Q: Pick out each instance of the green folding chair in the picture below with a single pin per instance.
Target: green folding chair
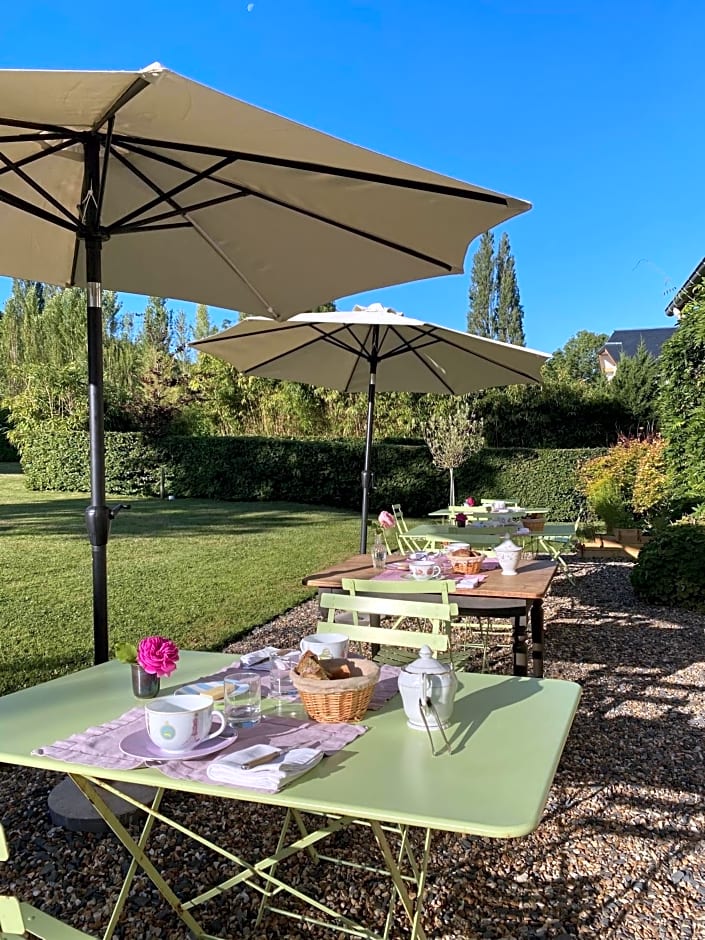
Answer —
(466, 634)
(390, 641)
(19, 920)
(558, 537)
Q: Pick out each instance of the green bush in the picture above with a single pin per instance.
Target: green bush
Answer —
(316, 472)
(670, 569)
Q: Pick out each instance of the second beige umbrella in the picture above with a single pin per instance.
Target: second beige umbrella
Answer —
(372, 349)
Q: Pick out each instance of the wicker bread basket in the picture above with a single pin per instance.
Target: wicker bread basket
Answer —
(533, 523)
(339, 699)
(466, 564)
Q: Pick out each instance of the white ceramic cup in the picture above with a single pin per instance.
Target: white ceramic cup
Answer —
(423, 570)
(326, 645)
(180, 722)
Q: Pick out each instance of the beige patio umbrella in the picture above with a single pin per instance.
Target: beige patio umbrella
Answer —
(372, 349)
(151, 183)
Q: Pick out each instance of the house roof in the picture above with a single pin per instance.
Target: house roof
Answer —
(685, 293)
(626, 342)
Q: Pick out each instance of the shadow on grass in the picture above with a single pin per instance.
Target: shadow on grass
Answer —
(155, 517)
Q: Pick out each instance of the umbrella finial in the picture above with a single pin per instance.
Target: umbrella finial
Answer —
(376, 308)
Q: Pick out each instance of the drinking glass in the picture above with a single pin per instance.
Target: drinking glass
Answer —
(280, 684)
(242, 699)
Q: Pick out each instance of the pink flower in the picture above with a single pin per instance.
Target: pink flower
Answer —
(157, 655)
(386, 520)
(469, 501)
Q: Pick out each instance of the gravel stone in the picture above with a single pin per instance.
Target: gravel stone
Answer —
(618, 855)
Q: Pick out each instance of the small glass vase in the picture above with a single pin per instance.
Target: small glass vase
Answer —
(379, 552)
(144, 684)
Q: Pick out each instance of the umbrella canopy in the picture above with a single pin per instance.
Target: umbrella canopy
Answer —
(372, 349)
(151, 183)
(209, 199)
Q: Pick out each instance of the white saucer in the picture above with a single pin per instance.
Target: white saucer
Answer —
(139, 744)
(430, 577)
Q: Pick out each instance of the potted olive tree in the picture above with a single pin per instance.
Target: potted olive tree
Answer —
(452, 434)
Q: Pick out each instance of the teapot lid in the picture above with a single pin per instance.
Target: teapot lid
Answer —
(426, 663)
(508, 545)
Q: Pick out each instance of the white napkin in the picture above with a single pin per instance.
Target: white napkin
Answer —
(258, 656)
(522, 530)
(471, 580)
(272, 776)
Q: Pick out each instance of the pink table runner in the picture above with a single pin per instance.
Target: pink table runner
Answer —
(394, 573)
(100, 746)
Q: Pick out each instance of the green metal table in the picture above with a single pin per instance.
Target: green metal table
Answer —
(506, 739)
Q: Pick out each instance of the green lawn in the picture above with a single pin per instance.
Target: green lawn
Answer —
(198, 571)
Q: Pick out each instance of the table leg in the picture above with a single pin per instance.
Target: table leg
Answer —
(537, 634)
(519, 646)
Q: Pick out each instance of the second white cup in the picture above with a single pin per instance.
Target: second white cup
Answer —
(326, 645)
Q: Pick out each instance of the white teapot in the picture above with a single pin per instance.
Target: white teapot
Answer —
(508, 555)
(427, 689)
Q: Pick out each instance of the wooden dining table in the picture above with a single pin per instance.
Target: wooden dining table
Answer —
(519, 597)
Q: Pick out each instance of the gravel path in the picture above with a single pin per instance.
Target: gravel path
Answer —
(618, 855)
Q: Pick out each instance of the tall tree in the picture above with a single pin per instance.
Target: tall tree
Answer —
(202, 326)
(156, 330)
(510, 314)
(635, 385)
(482, 319)
(577, 361)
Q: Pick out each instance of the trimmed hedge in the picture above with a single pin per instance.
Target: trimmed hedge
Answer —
(315, 472)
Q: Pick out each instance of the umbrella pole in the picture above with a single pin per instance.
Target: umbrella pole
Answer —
(367, 476)
(97, 514)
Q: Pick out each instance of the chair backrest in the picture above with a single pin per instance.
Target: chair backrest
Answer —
(399, 517)
(409, 590)
(439, 614)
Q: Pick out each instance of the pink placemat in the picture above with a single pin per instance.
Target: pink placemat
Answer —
(99, 746)
(393, 573)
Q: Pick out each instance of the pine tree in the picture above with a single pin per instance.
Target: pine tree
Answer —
(510, 314)
(482, 319)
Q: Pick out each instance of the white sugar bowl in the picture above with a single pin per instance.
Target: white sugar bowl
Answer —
(427, 689)
(508, 555)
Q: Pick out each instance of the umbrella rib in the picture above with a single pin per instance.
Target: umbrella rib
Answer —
(145, 225)
(133, 89)
(195, 226)
(311, 167)
(32, 158)
(30, 138)
(402, 249)
(26, 178)
(197, 177)
(429, 333)
(31, 209)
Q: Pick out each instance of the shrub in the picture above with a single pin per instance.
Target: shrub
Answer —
(670, 569)
(632, 480)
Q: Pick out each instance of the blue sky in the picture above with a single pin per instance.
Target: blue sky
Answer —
(592, 111)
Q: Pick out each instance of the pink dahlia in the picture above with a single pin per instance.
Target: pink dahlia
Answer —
(386, 520)
(157, 655)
